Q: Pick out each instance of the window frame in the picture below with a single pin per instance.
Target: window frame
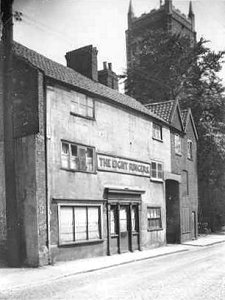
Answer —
(156, 218)
(156, 126)
(157, 171)
(73, 206)
(179, 152)
(75, 95)
(71, 157)
(190, 149)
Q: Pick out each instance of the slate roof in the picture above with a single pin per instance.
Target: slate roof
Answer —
(162, 109)
(67, 75)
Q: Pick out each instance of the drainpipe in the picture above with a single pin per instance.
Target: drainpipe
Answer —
(13, 232)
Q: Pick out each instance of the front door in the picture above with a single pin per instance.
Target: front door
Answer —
(124, 228)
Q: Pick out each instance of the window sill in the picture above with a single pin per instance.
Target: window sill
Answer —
(69, 244)
(190, 159)
(77, 171)
(178, 154)
(156, 229)
(158, 140)
(159, 180)
(80, 116)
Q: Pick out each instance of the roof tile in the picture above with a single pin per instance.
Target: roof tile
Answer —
(162, 109)
(67, 75)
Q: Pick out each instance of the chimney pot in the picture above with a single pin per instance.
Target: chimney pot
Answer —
(110, 66)
(105, 65)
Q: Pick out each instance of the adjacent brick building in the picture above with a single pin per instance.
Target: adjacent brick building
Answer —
(182, 191)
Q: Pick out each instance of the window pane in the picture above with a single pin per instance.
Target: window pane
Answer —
(134, 219)
(153, 169)
(65, 155)
(82, 110)
(66, 224)
(157, 131)
(154, 218)
(74, 159)
(90, 102)
(93, 223)
(177, 144)
(73, 150)
(75, 103)
(157, 212)
(123, 219)
(190, 149)
(65, 148)
(82, 105)
(89, 161)
(82, 159)
(90, 112)
(74, 107)
(80, 223)
(82, 99)
(114, 220)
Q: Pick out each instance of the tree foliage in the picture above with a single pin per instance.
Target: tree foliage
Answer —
(166, 67)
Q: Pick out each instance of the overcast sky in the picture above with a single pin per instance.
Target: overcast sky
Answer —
(53, 27)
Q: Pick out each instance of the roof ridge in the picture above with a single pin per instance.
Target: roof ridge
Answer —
(158, 103)
(72, 78)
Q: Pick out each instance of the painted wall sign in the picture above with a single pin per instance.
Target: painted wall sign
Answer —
(122, 165)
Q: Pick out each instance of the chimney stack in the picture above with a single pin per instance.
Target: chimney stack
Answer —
(84, 61)
(108, 77)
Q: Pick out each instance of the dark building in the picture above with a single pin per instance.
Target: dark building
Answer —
(182, 190)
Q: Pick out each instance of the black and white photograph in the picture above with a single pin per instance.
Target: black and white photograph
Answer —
(112, 149)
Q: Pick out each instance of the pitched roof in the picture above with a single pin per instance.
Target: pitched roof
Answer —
(67, 75)
(162, 109)
(186, 115)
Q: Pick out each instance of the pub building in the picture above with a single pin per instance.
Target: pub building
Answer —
(97, 172)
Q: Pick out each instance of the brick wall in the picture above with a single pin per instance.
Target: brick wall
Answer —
(189, 200)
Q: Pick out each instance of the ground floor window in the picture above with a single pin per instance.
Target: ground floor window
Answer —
(156, 170)
(79, 223)
(154, 218)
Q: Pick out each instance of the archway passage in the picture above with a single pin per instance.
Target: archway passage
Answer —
(172, 212)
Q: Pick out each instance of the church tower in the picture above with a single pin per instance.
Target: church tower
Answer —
(166, 17)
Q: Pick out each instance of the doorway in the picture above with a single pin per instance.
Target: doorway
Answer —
(172, 212)
(123, 235)
(124, 226)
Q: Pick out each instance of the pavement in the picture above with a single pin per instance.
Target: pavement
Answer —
(20, 278)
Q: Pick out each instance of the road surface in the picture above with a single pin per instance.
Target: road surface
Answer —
(192, 275)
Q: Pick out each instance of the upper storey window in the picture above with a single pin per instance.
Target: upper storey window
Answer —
(177, 140)
(77, 157)
(157, 132)
(82, 105)
(190, 149)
